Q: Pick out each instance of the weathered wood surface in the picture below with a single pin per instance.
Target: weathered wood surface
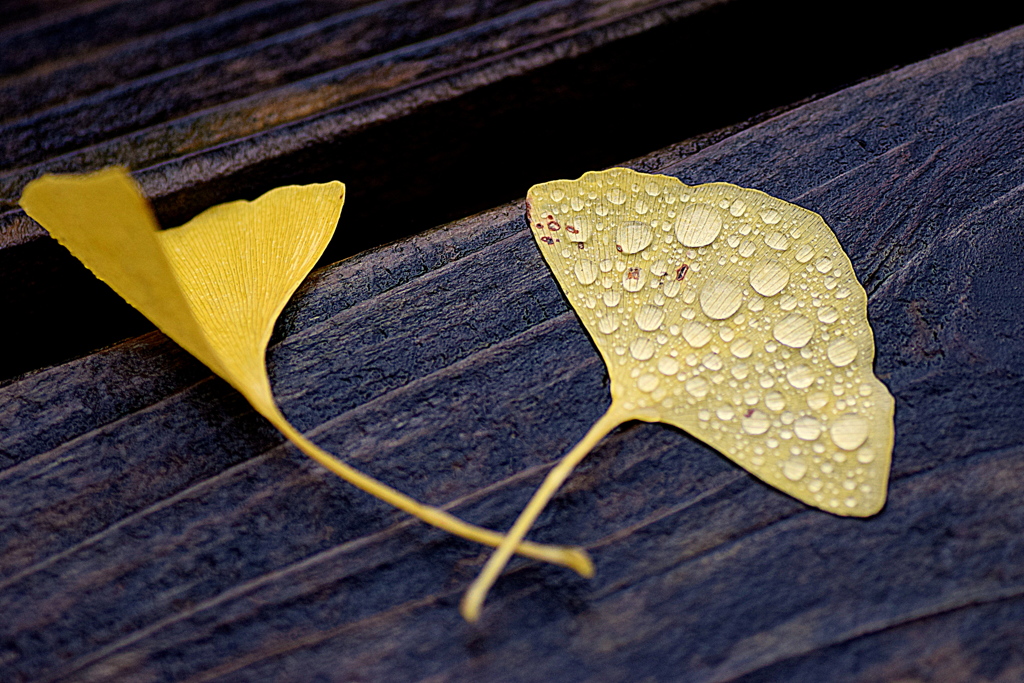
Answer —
(152, 528)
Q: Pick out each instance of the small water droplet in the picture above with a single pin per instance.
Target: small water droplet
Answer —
(649, 318)
(794, 330)
(641, 207)
(842, 293)
(634, 279)
(769, 277)
(747, 248)
(668, 365)
(671, 289)
(633, 237)
(775, 401)
(720, 298)
(712, 361)
(849, 431)
(697, 386)
(824, 264)
(805, 253)
(652, 188)
(864, 390)
(771, 216)
(866, 455)
(755, 423)
(814, 485)
(841, 352)
(609, 323)
(733, 241)
(817, 400)
(586, 271)
(726, 333)
(777, 241)
(696, 334)
(741, 348)
(703, 415)
(800, 377)
(615, 196)
(601, 209)
(788, 302)
(725, 413)
(740, 371)
(807, 428)
(576, 203)
(659, 268)
(794, 470)
(828, 315)
(737, 208)
(641, 348)
(766, 381)
(647, 382)
(698, 225)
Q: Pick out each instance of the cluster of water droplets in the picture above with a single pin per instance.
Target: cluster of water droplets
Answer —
(733, 314)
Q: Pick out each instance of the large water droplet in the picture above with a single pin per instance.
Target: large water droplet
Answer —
(698, 225)
(634, 279)
(865, 455)
(849, 431)
(725, 413)
(755, 422)
(747, 248)
(641, 348)
(794, 470)
(828, 315)
(712, 361)
(800, 377)
(841, 351)
(586, 271)
(576, 203)
(696, 334)
(823, 264)
(647, 382)
(737, 208)
(777, 241)
(609, 323)
(616, 196)
(659, 268)
(649, 318)
(775, 401)
(668, 365)
(740, 371)
(807, 428)
(671, 289)
(817, 400)
(612, 298)
(633, 237)
(741, 348)
(720, 298)
(771, 216)
(769, 277)
(697, 386)
(805, 253)
(794, 331)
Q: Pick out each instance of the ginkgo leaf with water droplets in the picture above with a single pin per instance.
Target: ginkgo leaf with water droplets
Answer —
(217, 284)
(726, 312)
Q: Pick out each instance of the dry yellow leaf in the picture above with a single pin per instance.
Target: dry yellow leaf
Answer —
(729, 313)
(217, 284)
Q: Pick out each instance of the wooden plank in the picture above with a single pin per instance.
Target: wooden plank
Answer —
(151, 528)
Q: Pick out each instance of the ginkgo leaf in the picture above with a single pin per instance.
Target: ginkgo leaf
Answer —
(217, 284)
(726, 312)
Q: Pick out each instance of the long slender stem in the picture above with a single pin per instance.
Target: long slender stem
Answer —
(474, 598)
(576, 559)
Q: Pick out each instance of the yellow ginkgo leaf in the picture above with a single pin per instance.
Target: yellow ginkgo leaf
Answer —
(729, 313)
(217, 284)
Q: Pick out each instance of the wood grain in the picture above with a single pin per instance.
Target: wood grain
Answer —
(152, 529)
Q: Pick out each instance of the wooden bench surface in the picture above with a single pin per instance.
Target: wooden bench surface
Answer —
(153, 528)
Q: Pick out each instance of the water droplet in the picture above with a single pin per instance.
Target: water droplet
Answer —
(807, 428)
(775, 401)
(794, 470)
(659, 268)
(652, 188)
(612, 298)
(841, 351)
(647, 382)
(814, 485)
(800, 377)
(769, 277)
(616, 196)
(601, 209)
(697, 386)
(771, 216)
(609, 323)
(737, 208)
(777, 241)
(725, 413)
(794, 330)
(864, 390)
(576, 203)
(668, 365)
(671, 289)
(586, 271)
(817, 400)
(766, 381)
(720, 298)
(641, 207)
(641, 348)
(788, 302)
(649, 318)
(865, 455)
(849, 431)
(842, 293)
(828, 315)
(755, 423)
(633, 237)
(741, 348)
(703, 415)
(712, 361)
(726, 333)
(696, 334)
(747, 248)
(824, 264)
(634, 279)
(698, 225)
(805, 253)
